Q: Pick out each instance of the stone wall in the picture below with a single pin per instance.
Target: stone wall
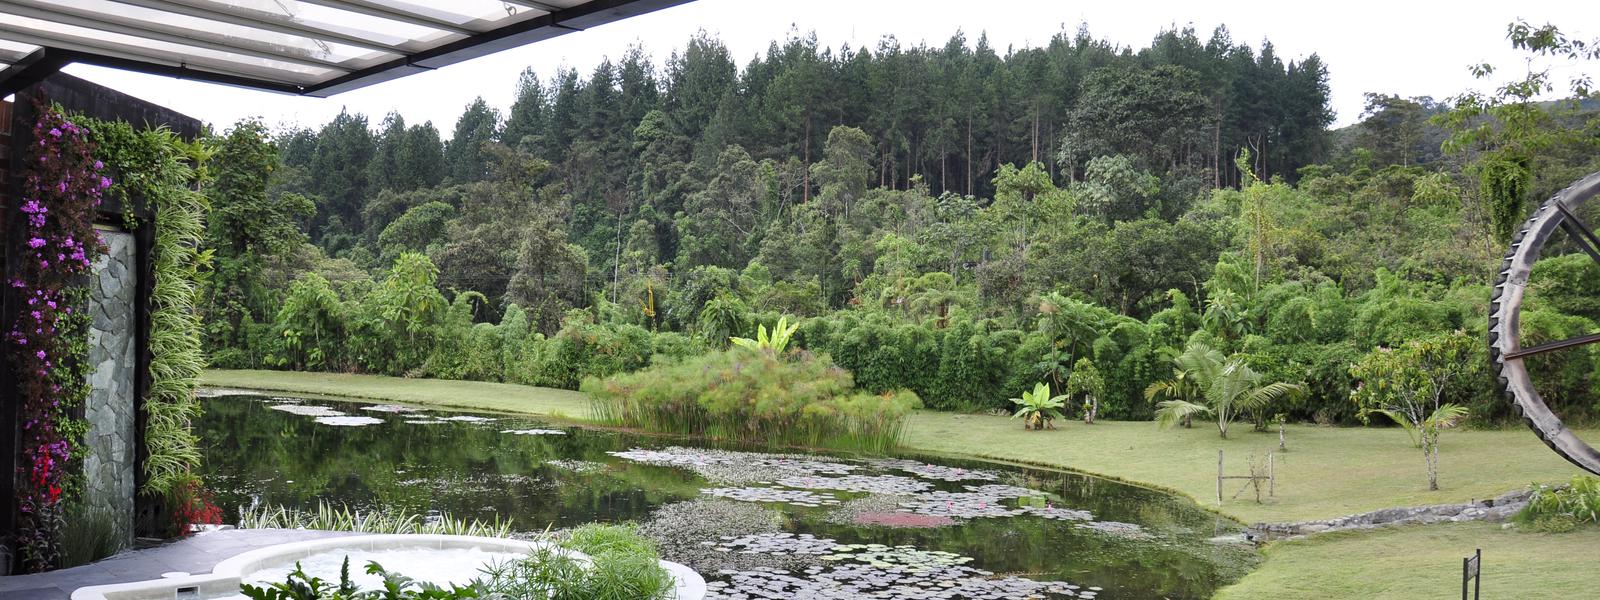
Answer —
(111, 458)
(1494, 510)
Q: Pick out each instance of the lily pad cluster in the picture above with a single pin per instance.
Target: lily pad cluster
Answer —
(306, 410)
(805, 498)
(870, 484)
(534, 432)
(733, 467)
(1117, 529)
(780, 543)
(859, 580)
(348, 421)
(577, 466)
(989, 501)
(934, 472)
(391, 408)
(909, 557)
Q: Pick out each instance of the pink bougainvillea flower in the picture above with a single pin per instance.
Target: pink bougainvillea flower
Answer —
(35, 242)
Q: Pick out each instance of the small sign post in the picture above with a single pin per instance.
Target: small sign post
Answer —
(1471, 570)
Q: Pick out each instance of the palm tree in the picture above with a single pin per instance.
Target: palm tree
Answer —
(1227, 387)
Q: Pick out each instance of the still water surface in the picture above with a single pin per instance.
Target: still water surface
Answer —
(757, 525)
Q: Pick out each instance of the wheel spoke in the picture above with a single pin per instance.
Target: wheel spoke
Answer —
(1580, 233)
(1557, 345)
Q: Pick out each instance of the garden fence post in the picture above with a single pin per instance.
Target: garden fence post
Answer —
(1219, 478)
(1272, 475)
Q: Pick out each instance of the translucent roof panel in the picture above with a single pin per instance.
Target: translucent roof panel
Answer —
(308, 47)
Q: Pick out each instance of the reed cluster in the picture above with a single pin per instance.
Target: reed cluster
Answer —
(756, 397)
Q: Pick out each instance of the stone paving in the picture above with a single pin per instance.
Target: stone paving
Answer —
(194, 555)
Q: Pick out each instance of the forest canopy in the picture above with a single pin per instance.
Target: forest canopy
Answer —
(958, 221)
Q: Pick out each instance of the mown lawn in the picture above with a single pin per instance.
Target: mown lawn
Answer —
(465, 395)
(1328, 472)
(1408, 563)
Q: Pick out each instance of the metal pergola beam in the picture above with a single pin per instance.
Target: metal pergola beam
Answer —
(384, 12)
(281, 26)
(549, 8)
(61, 49)
(91, 46)
(46, 61)
(30, 69)
(583, 16)
(89, 19)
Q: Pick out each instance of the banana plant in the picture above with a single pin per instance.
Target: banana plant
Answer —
(775, 343)
(1038, 409)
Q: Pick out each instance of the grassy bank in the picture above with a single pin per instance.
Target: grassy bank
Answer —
(1328, 472)
(465, 395)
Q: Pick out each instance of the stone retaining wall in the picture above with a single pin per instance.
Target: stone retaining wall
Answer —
(109, 464)
(1495, 510)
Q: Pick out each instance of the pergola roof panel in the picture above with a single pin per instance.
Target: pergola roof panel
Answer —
(310, 47)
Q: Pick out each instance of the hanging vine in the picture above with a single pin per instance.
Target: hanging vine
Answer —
(155, 173)
(62, 187)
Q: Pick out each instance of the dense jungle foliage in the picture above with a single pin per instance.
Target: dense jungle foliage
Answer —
(954, 221)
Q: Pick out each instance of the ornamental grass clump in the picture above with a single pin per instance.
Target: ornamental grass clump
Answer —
(755, 396)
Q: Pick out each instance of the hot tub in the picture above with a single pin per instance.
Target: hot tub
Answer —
(440, 559)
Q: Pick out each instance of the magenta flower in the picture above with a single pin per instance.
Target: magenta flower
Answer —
(35, 242)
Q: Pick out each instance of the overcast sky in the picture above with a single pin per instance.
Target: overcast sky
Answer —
(1400, 47)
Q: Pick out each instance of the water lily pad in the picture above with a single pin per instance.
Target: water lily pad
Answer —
(343, 421)
(306, 410)
(534, 432)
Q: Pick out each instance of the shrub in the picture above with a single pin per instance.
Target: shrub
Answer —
(1556, 510)
(755, 397)
(624, 566)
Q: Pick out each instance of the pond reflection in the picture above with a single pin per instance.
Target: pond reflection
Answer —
(756, 524)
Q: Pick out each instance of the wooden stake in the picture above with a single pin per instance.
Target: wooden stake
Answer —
(1272, 475)
(1219, 478)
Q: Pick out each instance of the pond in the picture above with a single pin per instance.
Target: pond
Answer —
(756, 524)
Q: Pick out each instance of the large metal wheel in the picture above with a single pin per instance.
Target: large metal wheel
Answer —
(1505, 309)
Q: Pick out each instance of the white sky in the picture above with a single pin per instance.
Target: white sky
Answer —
(1408, 48)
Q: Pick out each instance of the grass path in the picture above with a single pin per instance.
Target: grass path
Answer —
(1328, 472)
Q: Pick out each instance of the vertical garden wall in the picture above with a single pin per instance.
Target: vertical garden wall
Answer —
(101, 217)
